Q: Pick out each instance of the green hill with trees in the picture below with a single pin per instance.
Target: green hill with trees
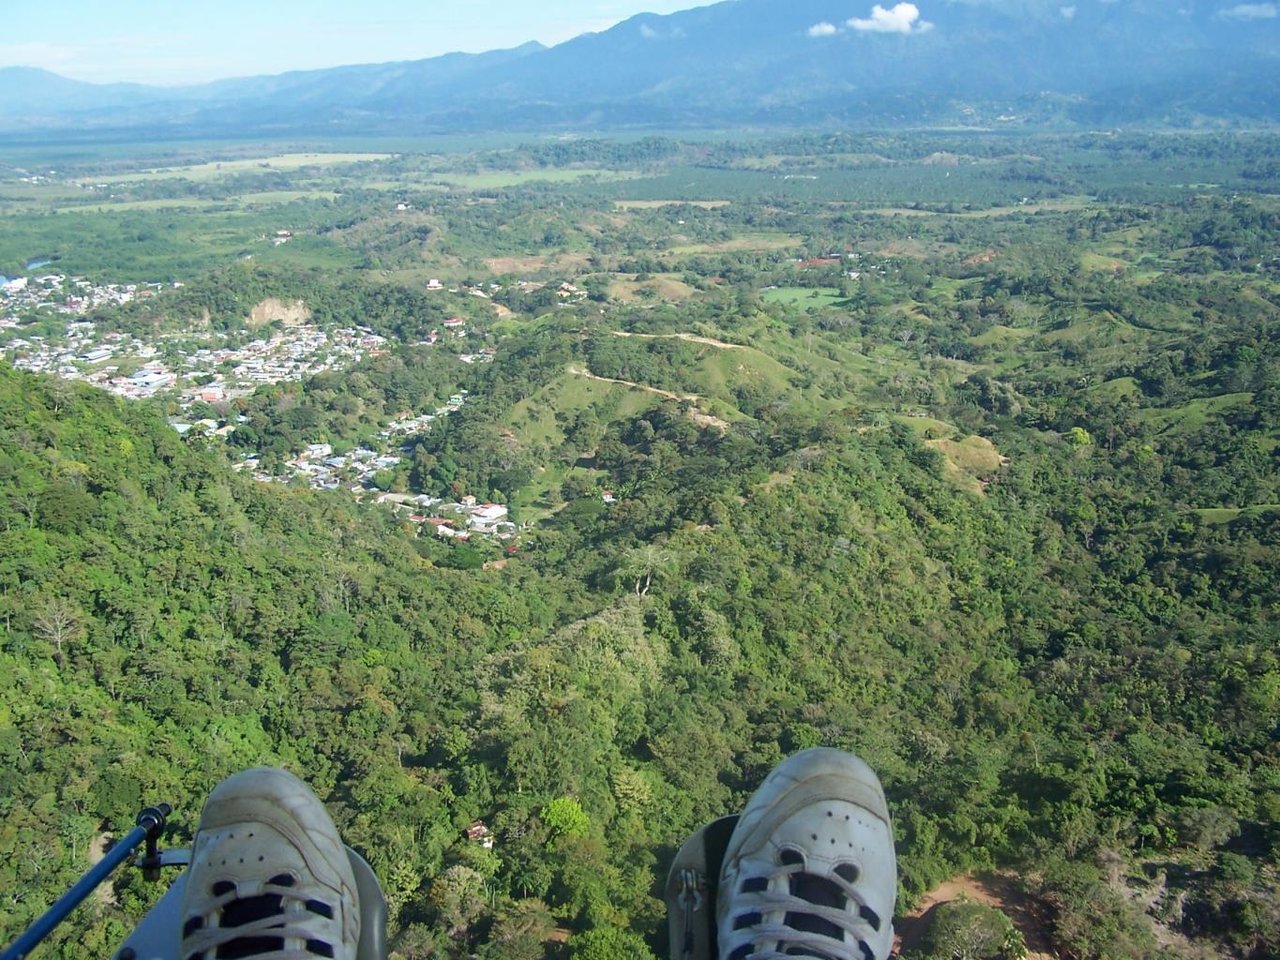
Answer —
(984, 492)
(1023, 696)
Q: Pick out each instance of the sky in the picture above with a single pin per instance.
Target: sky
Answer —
(193, 41)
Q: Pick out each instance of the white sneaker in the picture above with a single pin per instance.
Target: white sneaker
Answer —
(810, 869)
(269, 876)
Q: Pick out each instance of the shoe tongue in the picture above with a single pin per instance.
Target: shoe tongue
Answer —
(822, 892)
(246, 910)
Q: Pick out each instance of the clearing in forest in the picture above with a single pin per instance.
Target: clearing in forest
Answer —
(659, 288)
(498, 179)
(997, 890)
(970, 462)
(802, 297)
(525, 266)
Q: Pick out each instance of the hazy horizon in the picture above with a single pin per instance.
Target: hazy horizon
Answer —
(160, 43)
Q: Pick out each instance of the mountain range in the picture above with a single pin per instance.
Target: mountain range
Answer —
(761, 63)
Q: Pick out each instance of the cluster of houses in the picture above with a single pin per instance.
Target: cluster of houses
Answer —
(58, 293)
(565, 291)
(324, 470)
(837, 259)
(82, 353)
(460, 520)
(294, 353)
(129, 367)
(126, 366)
(355, 470)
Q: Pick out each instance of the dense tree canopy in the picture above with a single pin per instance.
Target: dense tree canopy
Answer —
(987, 495)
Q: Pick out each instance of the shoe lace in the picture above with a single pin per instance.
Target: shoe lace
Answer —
(282, 922)
(816, 919)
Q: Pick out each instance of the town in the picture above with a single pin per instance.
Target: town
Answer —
(126, 366)
(216, 373)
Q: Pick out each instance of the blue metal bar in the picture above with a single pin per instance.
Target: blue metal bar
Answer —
(150, 823)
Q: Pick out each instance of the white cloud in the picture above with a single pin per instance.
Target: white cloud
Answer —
(903, 18)
(823, 29)
(1250, 11)
(652, 33)
(1067, 12)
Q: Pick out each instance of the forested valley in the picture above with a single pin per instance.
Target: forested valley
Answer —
(959, 453)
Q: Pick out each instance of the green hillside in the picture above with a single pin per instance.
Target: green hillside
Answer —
(973, 650)
(982, 489)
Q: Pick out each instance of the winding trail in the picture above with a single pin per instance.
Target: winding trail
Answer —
(580, 372)
(703, 420)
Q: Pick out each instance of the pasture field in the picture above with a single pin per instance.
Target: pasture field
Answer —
(216, 169)
(803, 297)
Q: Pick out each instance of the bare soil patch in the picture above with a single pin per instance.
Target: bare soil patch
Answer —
(270, 310)
(994, 890)
(691, 337)
(526, 265)
(98, 846)
(707, 422)
(941, 159)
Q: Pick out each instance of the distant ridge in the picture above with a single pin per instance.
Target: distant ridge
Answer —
(1002, 63)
